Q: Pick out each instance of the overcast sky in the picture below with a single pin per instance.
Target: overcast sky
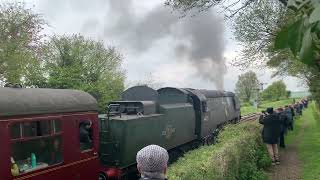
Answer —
(188, 52)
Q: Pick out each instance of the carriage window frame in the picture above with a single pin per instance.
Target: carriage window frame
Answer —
(55, 132)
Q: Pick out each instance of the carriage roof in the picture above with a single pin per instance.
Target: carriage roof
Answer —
(31, 101)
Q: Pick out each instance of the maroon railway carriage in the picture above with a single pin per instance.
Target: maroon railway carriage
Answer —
(45, 123)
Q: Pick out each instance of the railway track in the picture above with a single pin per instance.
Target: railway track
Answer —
(250, 117)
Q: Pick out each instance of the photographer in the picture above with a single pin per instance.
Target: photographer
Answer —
(284, 119)
(271, 133)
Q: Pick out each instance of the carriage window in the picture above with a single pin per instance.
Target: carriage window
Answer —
(85, 135)
(29, 129)
(16, 131)
(35, 145)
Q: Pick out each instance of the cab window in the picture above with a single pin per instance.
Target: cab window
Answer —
(35, 145)
(85, 135)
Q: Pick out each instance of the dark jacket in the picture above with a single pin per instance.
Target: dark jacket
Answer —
(289, 115)
(292, 111)
(271, 128)
(284, 121)
(84, 135)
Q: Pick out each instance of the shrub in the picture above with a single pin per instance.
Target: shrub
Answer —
(239, 154)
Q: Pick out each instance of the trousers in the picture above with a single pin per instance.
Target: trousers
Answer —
(273, 151)
(282, 144)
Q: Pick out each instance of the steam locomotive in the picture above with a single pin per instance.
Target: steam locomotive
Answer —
(46, 121)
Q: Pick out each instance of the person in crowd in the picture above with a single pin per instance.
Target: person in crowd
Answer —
(288, 113)
(305, 103)
(300, 108)
(85, 134)
(292, 110)
(152, 162)
(283, 125)
(271, 133)
(297, 108)
(56, 154)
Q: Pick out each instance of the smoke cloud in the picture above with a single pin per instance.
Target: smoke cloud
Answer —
(198, 39)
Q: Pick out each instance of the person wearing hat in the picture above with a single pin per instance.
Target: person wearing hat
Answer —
(85, 135)
(271, 133)
(152, 162)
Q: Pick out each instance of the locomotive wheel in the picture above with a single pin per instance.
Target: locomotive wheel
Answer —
(102, 176)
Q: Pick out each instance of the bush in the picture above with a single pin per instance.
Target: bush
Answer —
(239, 154)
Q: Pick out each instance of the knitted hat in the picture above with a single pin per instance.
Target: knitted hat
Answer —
(152, 158)
(270, 110)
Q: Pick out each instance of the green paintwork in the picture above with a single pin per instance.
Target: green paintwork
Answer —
(170, 128)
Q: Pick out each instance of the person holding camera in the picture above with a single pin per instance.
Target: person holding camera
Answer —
(271, 133)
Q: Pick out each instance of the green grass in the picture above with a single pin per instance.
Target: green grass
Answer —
(309, 144)
(264, 105)
(239, 154)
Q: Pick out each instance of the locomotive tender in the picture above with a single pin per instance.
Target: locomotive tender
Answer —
(176, 119)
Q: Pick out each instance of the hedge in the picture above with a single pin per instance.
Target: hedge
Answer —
(239, 155)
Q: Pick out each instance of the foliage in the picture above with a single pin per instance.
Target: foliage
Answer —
(275, 91)
(302, 36)
(230, 7)
(149, 81)
(255, 29)
(288, 94)
(239, 154)
(20, 41)
(247, 86)
(63, 62)
(78, 63)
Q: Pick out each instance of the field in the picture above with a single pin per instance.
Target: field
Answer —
(250, 109)
(308, 134)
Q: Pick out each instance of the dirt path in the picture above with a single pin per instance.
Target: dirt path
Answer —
(289, 168)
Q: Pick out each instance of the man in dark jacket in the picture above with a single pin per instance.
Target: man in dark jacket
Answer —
(289, 113)
(293, 115)
(297, 108)
(300, 108)
(152, 162)
(271, 133)
(85, 135)
(283, 126)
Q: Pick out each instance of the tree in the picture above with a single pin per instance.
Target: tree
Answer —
(230, 7)
(255, 29)
(20, 41)
(74, 62)
(247, 86)
(275, 91)
(288, 95)
(149, 81)
(302, 36)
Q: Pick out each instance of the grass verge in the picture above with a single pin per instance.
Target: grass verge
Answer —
(309, 142)
(239, 154)
(250, 109)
